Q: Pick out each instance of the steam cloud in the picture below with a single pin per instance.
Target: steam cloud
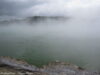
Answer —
(80, 8)
(84, 25)
(84, 13)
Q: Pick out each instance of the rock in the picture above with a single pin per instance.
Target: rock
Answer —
(17, 64)
(62, 68)
(19, 67)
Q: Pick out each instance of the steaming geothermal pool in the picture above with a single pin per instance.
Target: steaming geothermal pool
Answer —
(73, 41)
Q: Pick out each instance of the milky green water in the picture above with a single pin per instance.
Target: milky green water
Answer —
(44, 42)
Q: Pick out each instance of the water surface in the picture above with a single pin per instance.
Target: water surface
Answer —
(40, 42)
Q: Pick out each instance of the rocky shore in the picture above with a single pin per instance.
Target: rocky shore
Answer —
(11, 66)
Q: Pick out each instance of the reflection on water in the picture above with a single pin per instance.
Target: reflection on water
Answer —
(38, 43)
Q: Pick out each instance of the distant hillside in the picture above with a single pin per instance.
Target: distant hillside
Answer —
(35, 19)
(47, 17)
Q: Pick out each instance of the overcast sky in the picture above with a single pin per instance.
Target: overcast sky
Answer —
(49, 7)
